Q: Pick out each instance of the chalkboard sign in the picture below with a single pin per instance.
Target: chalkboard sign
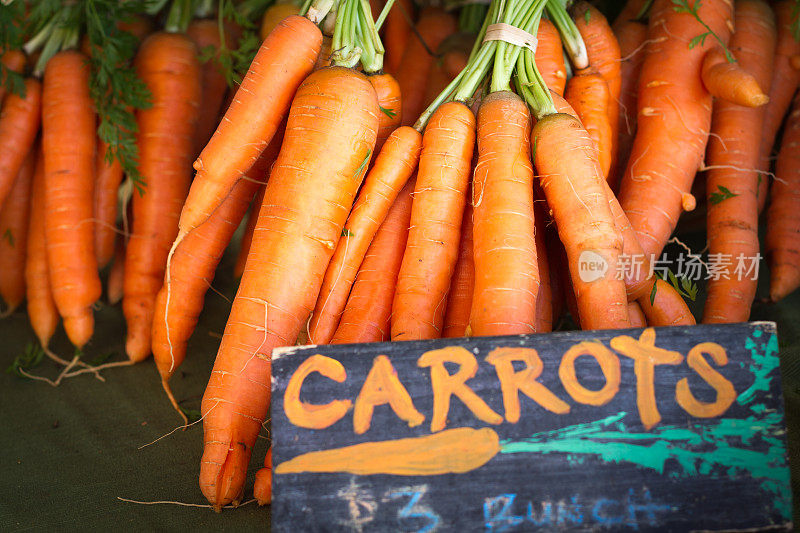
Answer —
(644, 429)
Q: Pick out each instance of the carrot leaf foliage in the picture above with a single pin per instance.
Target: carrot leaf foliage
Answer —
(11, 38)
(720, 195)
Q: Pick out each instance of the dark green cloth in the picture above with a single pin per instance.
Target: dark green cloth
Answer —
(70, 452)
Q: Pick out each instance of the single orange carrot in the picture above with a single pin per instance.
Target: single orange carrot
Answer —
(69, 144)
(390, 102)
(588, 94)
(19, 124)
(550, 57)
(167, 63)
(330, 134)
(673, 120)
(262, 487)
(506, 266)
(462, 285)
(782, 243)
(398, 32)
(432, 249)
(636, 315)
(732, 181)
(116, 274)
(391, 170)
(109, 177)
(412, 74)
(42, 312)
(285, 58)
(667, 307)
(274, 15)
(728, 81)
(14, 219)
(366, 315)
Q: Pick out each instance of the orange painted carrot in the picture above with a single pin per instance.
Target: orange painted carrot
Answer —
(391, 170)
(732, 182)
(42, 312)
(14, 219)
(432, 249)
(785, 79)
(390, 102)
(782, 242)
(69, 143)
(330, 134)
(19, 124)
(506, 266)
(366, 315)
(459, 297)
(412, 74)
(589, 95)
(673, 120)
(167, 63)
(550, 57)
(285, 58)
(109, 177)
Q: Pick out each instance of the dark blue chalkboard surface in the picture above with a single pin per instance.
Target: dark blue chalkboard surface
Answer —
(665, 429)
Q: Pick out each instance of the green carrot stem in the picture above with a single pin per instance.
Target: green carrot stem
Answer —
(383, 15)
(532, 87)
(570, 36)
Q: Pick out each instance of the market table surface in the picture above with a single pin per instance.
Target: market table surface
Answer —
(70, 453)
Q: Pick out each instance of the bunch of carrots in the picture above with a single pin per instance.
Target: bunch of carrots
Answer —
(410, 172)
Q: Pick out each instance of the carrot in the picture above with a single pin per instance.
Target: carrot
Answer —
(667, 307)
(391, 170)
(14, 219)
(452, 56)
(459, 296)
(728, 81)
(636, 315)
(733, 153)
(262, 487)
(366, 315)
(260, 172)
(782, 243)
(398, 32)
(42, 312)
(180, 300)
(544, 298)
(205, 33)
(589, 95)
(785, 79)
(506, 267)
(630, 12)
(330, 134)
(412, 74)
(435, 230)
(68, 143)
(13, 60)
(550, 57)
(604, 54)
(631, 36)
(167, 63)
(565, 157)
(116, 274)
(285, 58)
(19, 124)
(673, 120)
(390, 102)
(274, 15)
(109, 176)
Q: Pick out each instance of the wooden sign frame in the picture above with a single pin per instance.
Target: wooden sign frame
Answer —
(647, 429)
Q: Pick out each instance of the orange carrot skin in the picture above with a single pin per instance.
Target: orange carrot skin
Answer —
(636, 315)
(69, 146)
(13, 60)
(331, 129)
(631, 36)
(205, 33)
(388, 91)
(180, 300)
(247, 237)
(570, 176)
(432, 249)
(366, 315)
(167, 63)
(14, 219)
(459, 297)
(109, 177)
(785, 79)
(588, 94)
(412, 74)
(116, 274)
(284, 60)
(604, 54)
(262, 487)
(782, 243)
(392, 168)
(506, 266)
(274, 15)
(728, 81)
(667, 308)
(733, 153)
(19, 124)
(398, 33)
(673, 120)
(550, 57)
(42, 311)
